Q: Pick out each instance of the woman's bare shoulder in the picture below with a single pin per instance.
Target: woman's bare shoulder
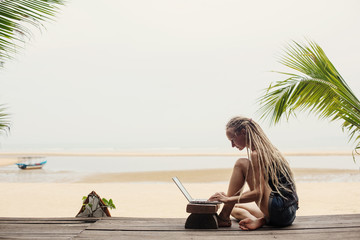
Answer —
(254, 154)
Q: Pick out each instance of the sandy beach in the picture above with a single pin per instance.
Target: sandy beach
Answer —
(7, 161)
(152, 194)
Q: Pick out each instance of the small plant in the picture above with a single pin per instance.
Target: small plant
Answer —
(109, 203)
(86, 205)
(94, 206)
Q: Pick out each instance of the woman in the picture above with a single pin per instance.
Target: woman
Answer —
(268, 176)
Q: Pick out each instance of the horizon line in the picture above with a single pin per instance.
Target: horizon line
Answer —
(157, 154)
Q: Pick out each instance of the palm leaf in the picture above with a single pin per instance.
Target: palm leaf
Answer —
(16, 19)
(4, 120)
(316, 87)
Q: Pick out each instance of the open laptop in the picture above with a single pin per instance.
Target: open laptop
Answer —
(188, 196)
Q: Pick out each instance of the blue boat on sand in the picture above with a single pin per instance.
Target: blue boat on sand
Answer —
(28, 163)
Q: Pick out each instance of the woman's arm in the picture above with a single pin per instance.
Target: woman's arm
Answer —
(250, 196)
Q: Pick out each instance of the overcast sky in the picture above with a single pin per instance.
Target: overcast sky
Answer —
(168, 74)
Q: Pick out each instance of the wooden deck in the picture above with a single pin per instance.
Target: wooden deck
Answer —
(305, 227)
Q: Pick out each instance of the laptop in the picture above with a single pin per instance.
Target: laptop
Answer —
(188, 196)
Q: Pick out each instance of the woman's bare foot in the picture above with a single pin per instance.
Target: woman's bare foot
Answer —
(251, 224)
(223, 222)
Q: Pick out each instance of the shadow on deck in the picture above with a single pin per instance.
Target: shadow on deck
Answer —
(305, 227)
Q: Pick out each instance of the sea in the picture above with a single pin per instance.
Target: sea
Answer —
(67, 168)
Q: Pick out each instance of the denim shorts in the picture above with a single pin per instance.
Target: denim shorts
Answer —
(281, 213)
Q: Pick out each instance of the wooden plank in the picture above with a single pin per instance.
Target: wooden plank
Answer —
(312, 234)
(25, 228)
(45, 222)
(309, 227)
(171, 224)
(345, 217)
(43, 227)
(153, 224)
(49, 218)
(37, 236)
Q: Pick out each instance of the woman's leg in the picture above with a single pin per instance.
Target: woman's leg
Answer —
(252, 223)
(237, 181)
(247, 210)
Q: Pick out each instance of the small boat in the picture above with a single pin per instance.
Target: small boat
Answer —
(27, 163)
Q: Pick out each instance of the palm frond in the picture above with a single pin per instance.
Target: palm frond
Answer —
(4, 120)
(316, 87)
(16, 19)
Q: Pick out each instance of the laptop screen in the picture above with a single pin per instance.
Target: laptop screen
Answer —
(182, 189)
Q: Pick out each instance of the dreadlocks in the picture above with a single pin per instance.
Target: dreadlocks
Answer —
(272, 163)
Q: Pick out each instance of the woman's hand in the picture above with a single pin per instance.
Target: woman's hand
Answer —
(219, 196)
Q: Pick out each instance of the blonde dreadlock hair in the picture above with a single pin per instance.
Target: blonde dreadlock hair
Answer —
(272, 162)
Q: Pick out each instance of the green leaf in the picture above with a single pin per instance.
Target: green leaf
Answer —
(87, 206)
(4, 120)
(314, 86)
(15, 19)
(111, 204)
(105, 201)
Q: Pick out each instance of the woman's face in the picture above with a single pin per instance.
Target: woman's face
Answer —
(237, 139)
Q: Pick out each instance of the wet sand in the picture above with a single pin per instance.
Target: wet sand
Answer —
(7, 161)
(217, 175)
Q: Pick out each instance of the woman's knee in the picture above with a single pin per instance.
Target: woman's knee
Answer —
(240, 213)
(242, 163)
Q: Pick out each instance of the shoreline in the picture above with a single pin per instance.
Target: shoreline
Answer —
(216, 175)
(212, 175)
